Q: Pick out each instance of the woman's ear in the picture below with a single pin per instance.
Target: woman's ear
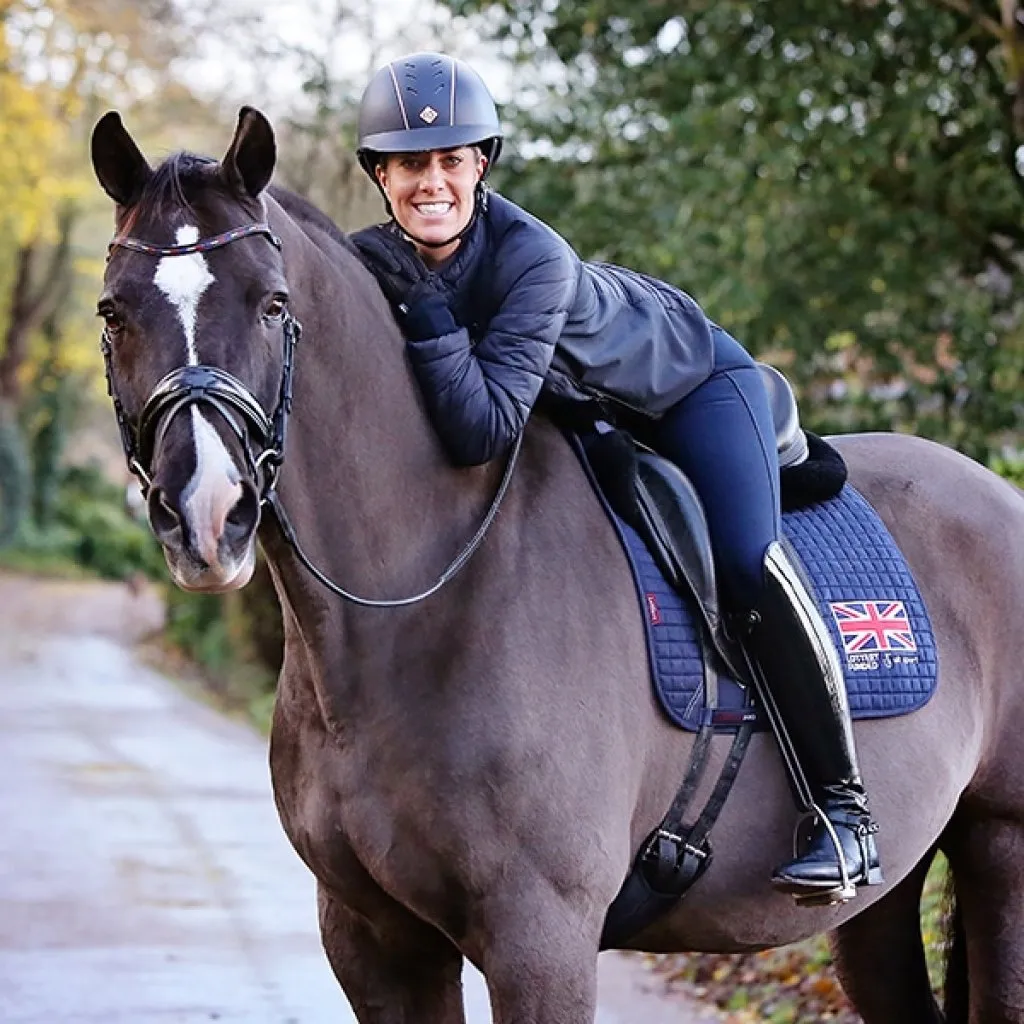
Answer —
(381, 173)
(481, 166)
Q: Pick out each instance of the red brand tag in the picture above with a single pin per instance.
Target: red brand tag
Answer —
(653, 610)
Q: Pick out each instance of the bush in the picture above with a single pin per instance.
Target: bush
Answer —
(235, 639)
(1011, 468)
(91, 534)
(106, 540)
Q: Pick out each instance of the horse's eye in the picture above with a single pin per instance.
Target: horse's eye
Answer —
(275, 307)
(111, 320)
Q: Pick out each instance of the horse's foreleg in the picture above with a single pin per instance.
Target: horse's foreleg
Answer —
(394, 968)
(541, 967)
(987, 857)
(880, 958)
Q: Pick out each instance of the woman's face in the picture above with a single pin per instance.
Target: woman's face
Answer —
(432, 193)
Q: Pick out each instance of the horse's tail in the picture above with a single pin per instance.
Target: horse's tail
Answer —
(956, 989)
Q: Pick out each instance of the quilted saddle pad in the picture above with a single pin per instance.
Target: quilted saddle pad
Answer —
(864, 590)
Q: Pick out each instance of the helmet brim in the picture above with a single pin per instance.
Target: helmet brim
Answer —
(421, 140)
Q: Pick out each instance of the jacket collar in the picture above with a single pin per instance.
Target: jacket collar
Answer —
(461, 267)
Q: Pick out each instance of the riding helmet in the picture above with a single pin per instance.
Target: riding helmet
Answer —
(426, 101)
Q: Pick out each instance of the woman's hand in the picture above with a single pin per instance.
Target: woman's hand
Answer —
(416, 293)
(395, 263)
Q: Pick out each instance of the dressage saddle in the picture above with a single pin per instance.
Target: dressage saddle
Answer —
(656, 498)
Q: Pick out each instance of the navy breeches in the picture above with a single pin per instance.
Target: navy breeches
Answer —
(723, 438)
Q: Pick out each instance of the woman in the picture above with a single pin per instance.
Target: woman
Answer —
(496, 306)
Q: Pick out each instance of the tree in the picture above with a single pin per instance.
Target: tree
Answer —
(841, 190)
(60, 63)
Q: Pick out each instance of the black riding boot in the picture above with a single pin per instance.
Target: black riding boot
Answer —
(798, 659)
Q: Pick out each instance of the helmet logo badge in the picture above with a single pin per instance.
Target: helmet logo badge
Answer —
(428, 114)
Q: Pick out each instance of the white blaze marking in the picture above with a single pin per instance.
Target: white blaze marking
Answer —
(212, 492)
(214, 488)
(183, 279)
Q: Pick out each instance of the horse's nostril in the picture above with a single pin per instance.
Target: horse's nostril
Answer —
(244, 514)
(163, 517)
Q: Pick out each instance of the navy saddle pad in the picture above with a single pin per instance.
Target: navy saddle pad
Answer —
(864, 590)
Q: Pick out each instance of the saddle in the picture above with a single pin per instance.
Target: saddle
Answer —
(657, 500)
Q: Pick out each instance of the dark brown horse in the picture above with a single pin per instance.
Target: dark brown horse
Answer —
(470, 775)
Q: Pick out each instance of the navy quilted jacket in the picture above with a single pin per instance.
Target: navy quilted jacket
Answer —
(534, 315)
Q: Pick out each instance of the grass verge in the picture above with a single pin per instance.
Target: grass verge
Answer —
(794, 984)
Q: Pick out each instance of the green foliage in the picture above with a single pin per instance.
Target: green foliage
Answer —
(1011, 468)
(197, 625)
(47, 413)
(106, 539)
(91, 531)
(836, 185)
(236, 641)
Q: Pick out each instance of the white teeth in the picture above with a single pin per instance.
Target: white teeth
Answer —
(434, 208)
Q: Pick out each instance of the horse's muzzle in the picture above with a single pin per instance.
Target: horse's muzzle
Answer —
(210, 548)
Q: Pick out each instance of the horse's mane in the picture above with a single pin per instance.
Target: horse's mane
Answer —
(310, 216)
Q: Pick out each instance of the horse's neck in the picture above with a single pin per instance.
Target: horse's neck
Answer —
(374, 502)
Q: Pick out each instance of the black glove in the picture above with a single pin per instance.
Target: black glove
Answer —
(395, 263)
(425, 313)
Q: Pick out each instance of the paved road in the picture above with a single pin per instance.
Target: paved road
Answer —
(144, 876)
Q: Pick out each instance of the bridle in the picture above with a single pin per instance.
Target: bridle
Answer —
(210, 385)
(207, 385)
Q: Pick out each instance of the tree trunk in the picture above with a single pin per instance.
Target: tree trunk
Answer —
(30, 302)
(54, 397)
(15, 483)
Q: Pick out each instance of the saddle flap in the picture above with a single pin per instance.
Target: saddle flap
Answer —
(677, 531)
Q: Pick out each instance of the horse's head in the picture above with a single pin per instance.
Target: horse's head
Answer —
(198, 342)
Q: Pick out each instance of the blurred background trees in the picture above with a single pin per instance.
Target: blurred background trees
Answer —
(842, 189)
(59, 63)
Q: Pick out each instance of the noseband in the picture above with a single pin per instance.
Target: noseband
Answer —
(207, 385)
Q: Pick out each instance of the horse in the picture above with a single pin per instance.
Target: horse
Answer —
(467, 754)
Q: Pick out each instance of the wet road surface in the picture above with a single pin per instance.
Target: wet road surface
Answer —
(143, 873)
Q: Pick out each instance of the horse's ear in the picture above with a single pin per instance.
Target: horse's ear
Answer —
(121, 168)
(249, 162)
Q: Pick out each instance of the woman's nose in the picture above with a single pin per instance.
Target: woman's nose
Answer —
(432, 178)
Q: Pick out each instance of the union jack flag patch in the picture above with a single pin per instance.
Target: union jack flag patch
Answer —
(867, 626)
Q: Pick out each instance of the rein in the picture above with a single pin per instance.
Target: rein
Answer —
(245, 415)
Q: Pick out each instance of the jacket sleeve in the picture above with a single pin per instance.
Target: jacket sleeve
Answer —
(479, 396)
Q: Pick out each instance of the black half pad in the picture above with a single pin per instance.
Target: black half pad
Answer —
(819, 478)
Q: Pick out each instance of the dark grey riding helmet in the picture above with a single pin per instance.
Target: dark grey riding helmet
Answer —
(426, 101)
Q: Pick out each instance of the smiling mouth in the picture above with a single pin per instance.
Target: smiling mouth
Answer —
(433, 209)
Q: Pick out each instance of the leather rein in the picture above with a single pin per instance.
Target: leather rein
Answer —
(242, 411)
